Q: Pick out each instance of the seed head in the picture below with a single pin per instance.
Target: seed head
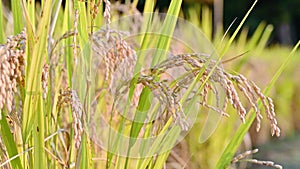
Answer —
(12, 66)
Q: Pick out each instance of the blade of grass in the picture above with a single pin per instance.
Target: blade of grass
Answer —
(99, 18)
(58, 5)
(264, 38)
(9, 143)
(232, 147)
(256, 36)
(66, 27)
(242, 40)
(31, 11)
(38, 134)
(135, 3)
(17, 16)
(282, 68)
(2, 33)
(260, 36)
(148, 9)
(168, 28)
(30, 30)
(193, 14)
(206, 23)
(225, 49)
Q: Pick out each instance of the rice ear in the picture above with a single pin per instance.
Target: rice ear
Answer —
(12, 69)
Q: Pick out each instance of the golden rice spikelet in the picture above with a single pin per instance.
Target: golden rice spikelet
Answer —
(12, 66)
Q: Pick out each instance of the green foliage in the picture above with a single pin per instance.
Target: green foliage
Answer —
(17, 15)
(2, 34)
(46, 144)
(9, 143)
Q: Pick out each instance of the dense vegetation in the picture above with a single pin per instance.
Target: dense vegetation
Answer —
(173, 94)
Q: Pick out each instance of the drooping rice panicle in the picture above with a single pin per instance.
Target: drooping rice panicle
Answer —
(12, 69)
(70, 97)
(243, 158)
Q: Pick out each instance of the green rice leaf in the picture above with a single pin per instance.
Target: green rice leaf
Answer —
(17, 16)
(9, 143)
(2, 33)
(225, 49)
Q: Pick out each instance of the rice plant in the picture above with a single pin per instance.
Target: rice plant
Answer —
(94, 86)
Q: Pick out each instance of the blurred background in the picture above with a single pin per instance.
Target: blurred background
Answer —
(268, 36)
(283, 15)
